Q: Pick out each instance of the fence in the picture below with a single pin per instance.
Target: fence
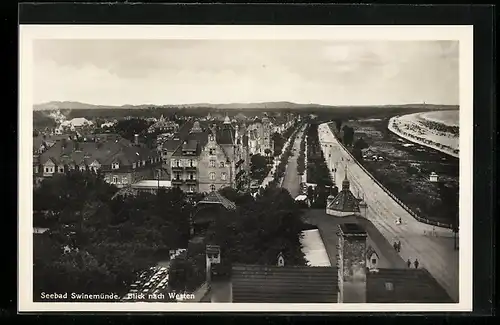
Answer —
(398, 201)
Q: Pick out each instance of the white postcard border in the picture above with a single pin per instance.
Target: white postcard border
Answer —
(28, 33)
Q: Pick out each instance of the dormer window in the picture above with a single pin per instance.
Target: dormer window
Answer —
(115, 165)
(212, 151)
(211, 138)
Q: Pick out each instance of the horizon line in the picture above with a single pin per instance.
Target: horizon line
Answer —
(244, 103)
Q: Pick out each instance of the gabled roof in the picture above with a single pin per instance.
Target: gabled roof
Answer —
(370, 251)
(216, 198)
(404, 286)
(105, 152)
(171, 144)
(225, 135)
(345, 201)
(286, 284)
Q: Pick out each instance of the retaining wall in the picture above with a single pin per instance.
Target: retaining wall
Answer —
(398, 201)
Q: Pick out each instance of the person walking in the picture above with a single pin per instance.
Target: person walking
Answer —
(395, 245)
(409, 263)
(399, 246)
(416, 263)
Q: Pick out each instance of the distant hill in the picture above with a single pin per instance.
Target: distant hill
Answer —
(57, 105)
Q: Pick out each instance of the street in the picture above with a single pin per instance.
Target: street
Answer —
(292, 180)
(435, 253)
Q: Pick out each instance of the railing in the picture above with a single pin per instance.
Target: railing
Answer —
(398, 201)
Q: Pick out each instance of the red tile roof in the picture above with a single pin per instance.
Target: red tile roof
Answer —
(287, 284)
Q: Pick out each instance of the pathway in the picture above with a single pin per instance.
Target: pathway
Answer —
(436, 254)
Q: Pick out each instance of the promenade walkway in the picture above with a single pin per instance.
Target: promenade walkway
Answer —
(435, 253)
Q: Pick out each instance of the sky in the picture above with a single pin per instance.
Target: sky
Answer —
(163, 72)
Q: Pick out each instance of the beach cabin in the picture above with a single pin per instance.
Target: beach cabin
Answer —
(433, 177)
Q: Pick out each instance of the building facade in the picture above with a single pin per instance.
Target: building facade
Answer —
(208, 159)
(120, 161)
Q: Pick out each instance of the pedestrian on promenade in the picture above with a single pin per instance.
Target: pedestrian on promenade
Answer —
(409, 263)
(399, 246)
(395, 245)
(416, 263)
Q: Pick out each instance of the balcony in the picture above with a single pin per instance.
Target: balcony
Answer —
(191, 168)
(191, 181)
(178, 168)
(177, 181)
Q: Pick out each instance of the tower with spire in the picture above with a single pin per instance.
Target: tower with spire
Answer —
(345, 203)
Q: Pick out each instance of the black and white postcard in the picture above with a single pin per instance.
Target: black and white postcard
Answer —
(245, 168)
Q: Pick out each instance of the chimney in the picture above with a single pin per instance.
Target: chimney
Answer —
(352, 263)
(136, 139)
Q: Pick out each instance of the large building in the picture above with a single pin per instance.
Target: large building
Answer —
(163, 125)
(207, 158)
(120, 161)
(260, 136)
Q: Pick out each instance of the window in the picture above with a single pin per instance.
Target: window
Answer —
(115, 165)
(61, 169)
(211, 151)
(177, 176)
(82, 168)
(177, 163)
(212, 163)
(212, 188)
(191, 176)
(46, 169)
(389, 286)
(222, 164)
(374, 261)
(211, 138)
(133, 165)
(192, 188)
(115, 179)
(191, 163)
(212, 176)
(223, 176)
(124, 180)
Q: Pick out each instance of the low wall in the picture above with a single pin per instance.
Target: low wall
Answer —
(398, 201)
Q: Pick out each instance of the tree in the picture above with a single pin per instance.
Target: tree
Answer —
(129, 128)
(116, 236)
(338, 124)
(360, 144)
(258, 167)
(310, 193)
(348, 135)
(260, 229)
(278, 142)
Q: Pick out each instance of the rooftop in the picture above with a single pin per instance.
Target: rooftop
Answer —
(216, 198)
(404, 286)
(352, 229)
(287, 284)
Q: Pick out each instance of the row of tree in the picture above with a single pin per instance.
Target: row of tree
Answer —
(317, 170)
(301, 161)
(281, 168)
